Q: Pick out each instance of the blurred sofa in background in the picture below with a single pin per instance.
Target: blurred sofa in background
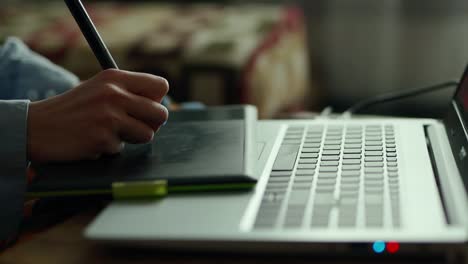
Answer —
(212, 53)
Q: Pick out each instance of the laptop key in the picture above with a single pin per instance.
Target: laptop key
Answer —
(374, 176)
(373, 153)
(264, 224)
(334, 132)
(306, 166)
(373, 190)
(296, 128)
(324, 188)
(348, 173)
(373, 170)
(373, 199)
(323, 200)
(310, 150)
(331, 147)
(304, 178)
(295, 212)
(277, 187)
(353, 132)
(281, 173)
(294, 131)
(329, 163)
(327, 175)
(351, 156)
(373, 138)
(350, 167)
(299, 197)
(328, 169)
(393, 180)
(286, 157)
(373, 143)
(309, 155)
(351, 161)
(353, 136)
(352, 151)
(373, 148)
(301, 185)
(345, 180)
(313, 141)
(279, 179)
(373, 158)
(330, 152)
(373, 182)
(305, 172)
(320, 223)
(374, 223)
(332, 142)
(291, 141)
(272, 198)
(307, 161)
(293, 223)
(349, 186)
(353, 141)
(293, 136)
(352, 193)
(322, 209)
(331, 158)
(270, 208)
(311, 145)
(326, 181)
(374, 164)
(352, 146)
(315, 127)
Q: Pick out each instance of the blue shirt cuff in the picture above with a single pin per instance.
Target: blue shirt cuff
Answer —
(13, 161)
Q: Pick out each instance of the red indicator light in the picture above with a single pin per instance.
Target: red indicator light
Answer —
(393, 247)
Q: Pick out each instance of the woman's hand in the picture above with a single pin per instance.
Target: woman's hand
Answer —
(95, 117)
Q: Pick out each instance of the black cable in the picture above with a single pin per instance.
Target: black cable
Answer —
(391, 96)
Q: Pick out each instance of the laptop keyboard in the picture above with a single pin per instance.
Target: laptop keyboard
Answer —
(335, 176)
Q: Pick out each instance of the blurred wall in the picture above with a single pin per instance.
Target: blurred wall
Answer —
(364, 47)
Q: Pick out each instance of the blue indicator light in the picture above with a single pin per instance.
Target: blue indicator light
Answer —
(378, 246)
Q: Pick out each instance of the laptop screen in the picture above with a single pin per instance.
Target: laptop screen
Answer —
(456, 123)
(461, 98)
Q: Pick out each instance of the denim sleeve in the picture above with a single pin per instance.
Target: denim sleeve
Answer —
(25, 74)
(13, 140)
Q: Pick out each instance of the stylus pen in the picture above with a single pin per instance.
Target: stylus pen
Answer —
(91, 34)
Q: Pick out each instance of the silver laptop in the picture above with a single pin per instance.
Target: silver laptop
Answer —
(357, 186)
